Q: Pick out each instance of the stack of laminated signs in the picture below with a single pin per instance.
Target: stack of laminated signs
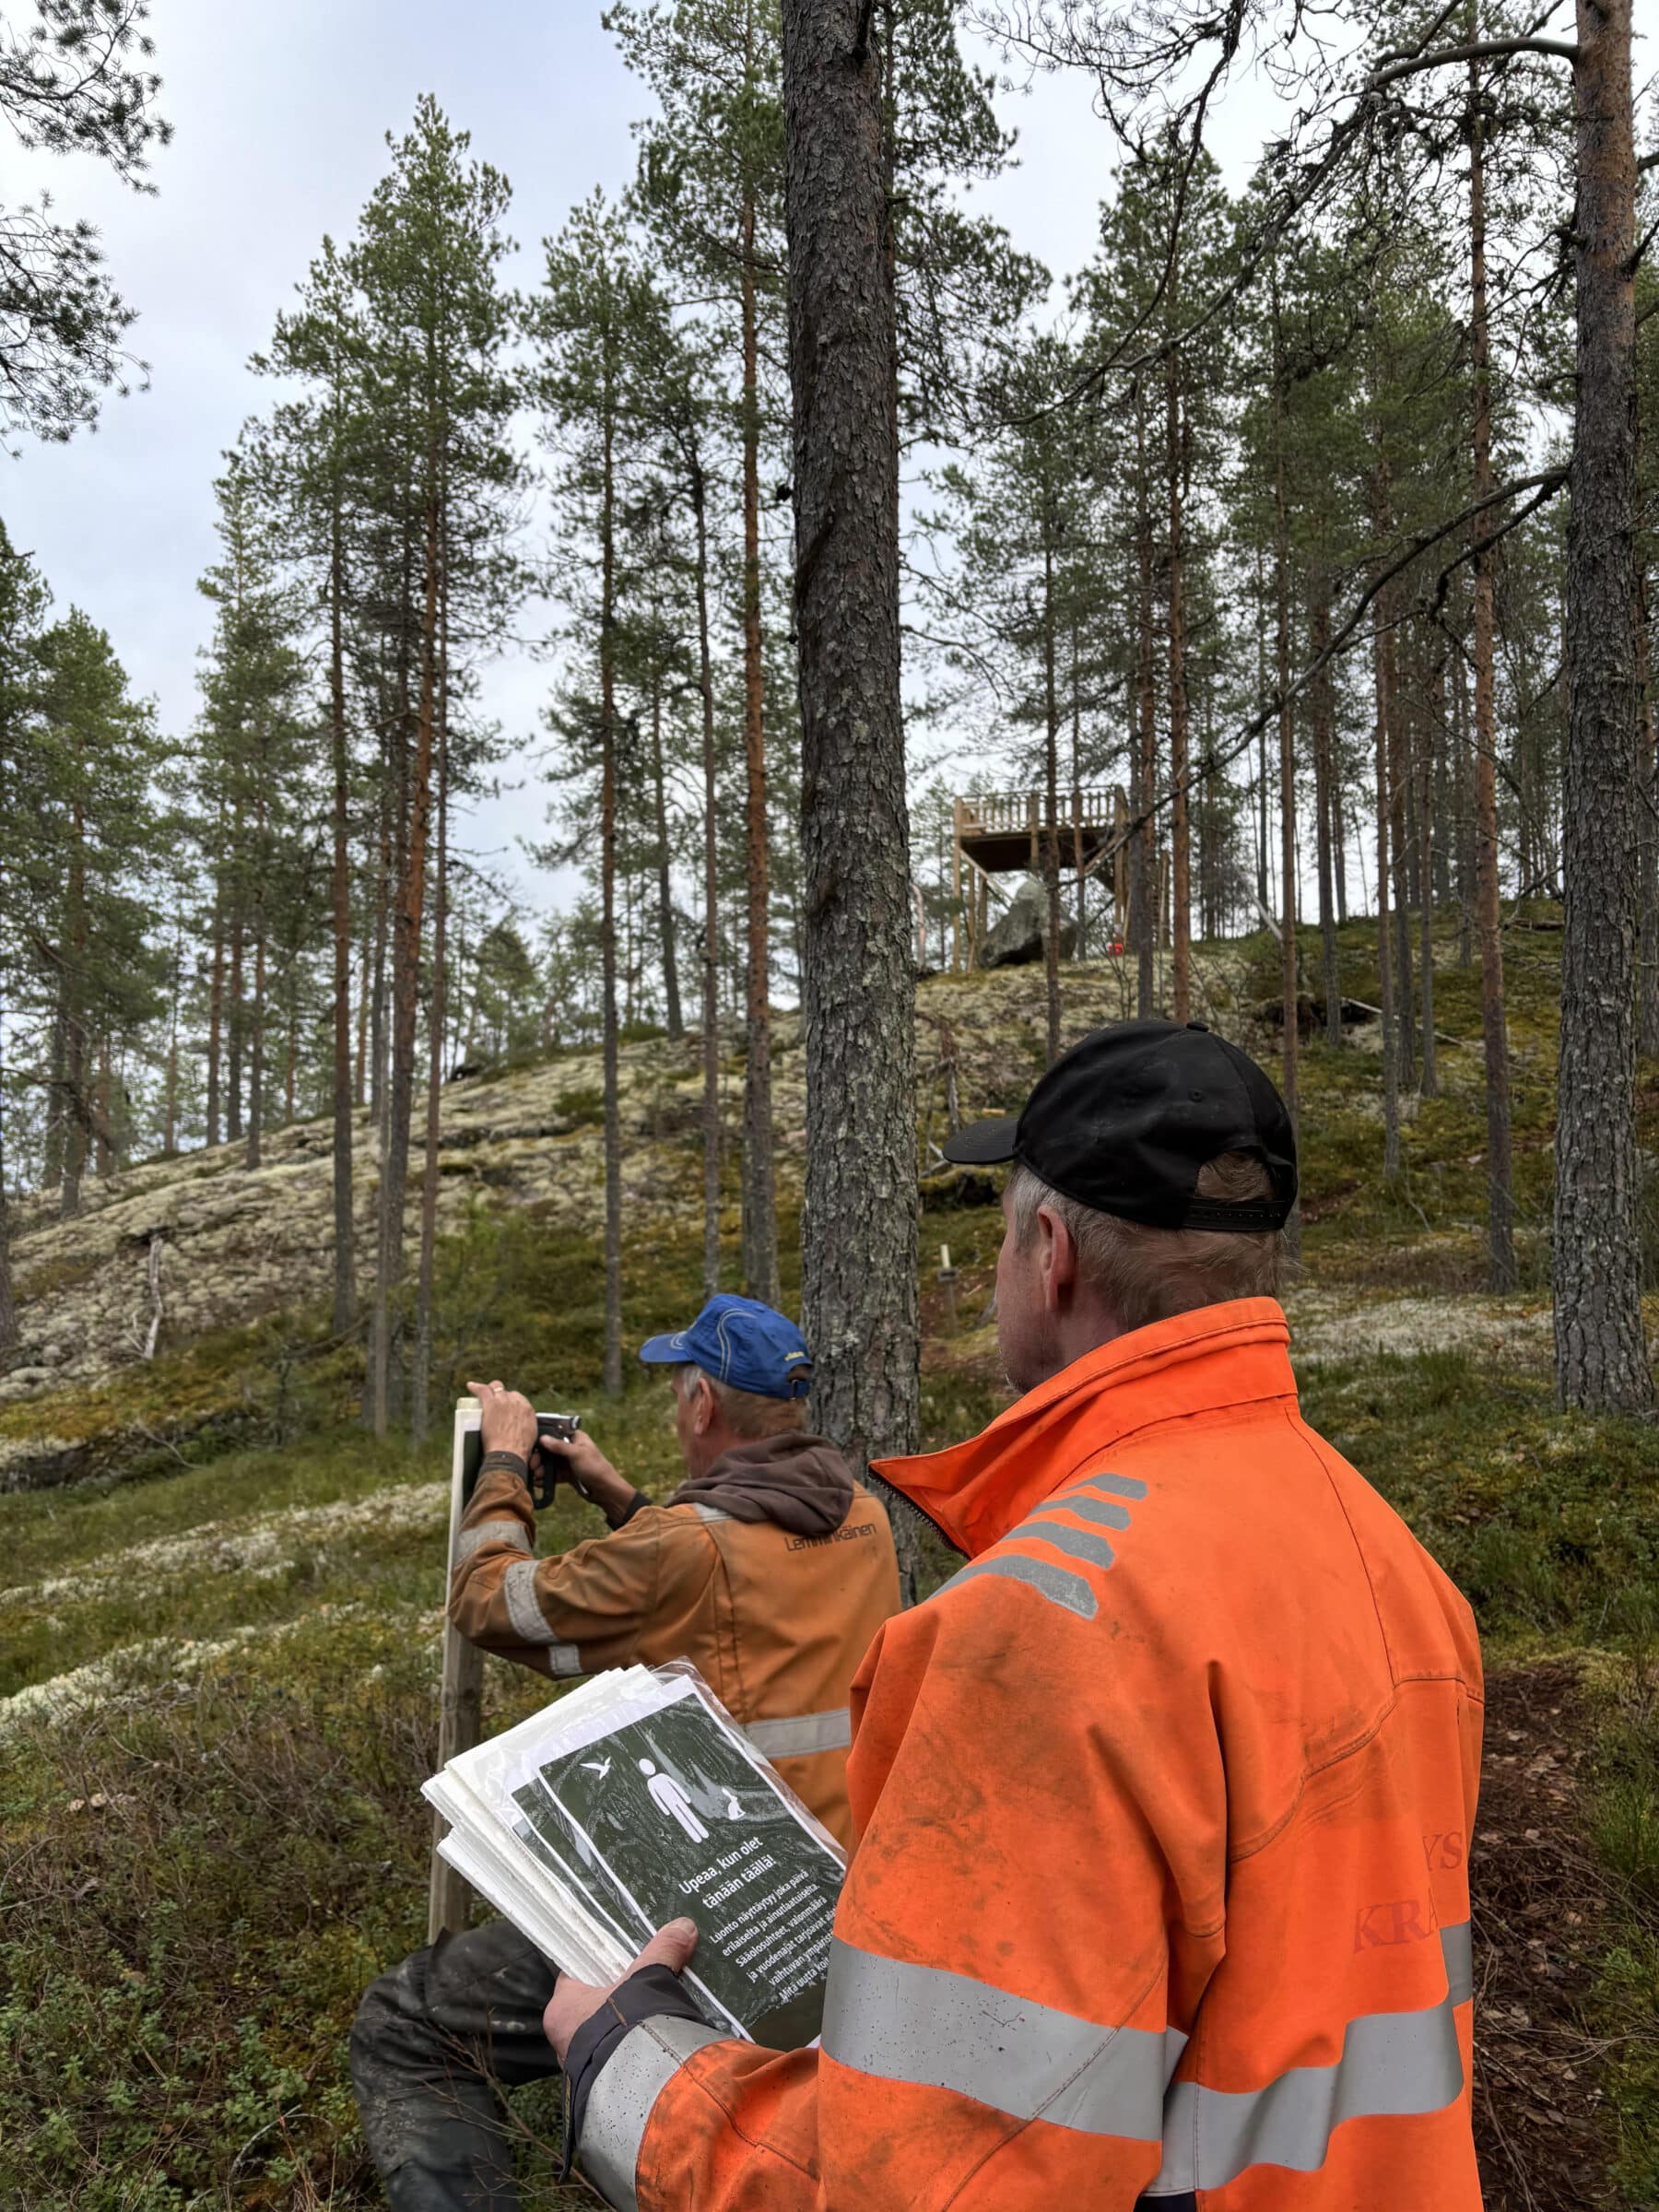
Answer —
(634, 1800)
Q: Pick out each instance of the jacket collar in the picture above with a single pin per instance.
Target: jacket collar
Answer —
(1198, 1362)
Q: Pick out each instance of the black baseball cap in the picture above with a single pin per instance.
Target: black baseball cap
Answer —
(1125, 1121)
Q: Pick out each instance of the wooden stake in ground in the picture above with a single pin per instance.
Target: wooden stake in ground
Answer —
(461, 1706)
(1601, 1355)
(858, 1229)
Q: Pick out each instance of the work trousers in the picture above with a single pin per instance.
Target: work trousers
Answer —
(433, 2045)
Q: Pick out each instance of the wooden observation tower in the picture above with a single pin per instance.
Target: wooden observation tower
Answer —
(1005, 833)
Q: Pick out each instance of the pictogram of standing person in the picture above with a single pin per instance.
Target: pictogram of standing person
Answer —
(669, 1796)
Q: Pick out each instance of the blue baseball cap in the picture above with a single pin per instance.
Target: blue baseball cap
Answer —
(739, 1341)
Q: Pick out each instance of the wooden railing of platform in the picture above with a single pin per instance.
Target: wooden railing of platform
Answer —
(1000, 832)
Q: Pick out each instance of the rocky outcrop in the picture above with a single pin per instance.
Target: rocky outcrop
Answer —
(1019, 935)
(232, 1245)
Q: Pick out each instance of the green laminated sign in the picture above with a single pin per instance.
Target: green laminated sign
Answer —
(637, 1801)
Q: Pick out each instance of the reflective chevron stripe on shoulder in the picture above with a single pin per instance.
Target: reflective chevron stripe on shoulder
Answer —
(1058, 1584)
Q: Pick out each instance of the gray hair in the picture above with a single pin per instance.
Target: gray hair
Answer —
(1146, 1274)
(749, 1412)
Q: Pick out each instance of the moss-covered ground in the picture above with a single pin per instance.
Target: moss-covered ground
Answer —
(218, 1661)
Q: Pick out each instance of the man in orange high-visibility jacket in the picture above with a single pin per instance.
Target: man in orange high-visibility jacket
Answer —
(1160, 1895)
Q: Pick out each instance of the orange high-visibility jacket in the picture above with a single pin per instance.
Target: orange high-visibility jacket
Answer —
(1160, 1893)
(776, 1624)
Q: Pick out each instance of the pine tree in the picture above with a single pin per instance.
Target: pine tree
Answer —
(438, 388)
(79, 81)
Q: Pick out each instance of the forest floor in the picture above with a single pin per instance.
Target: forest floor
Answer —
(217, 1658)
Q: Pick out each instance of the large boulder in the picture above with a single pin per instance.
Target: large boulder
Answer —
(1019, 937)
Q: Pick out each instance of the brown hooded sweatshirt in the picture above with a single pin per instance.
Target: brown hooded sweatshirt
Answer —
(770, 1573)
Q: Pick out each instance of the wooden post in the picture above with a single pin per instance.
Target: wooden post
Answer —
(1078, 865)
(956, 886)
(461, 1707)
(948, 1283)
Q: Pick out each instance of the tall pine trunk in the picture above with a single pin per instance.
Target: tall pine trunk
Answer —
(1429, 1082)
(1180, 859)
(1647, 986)
(711, 926)
(72, 986)
(1050, 810)
(1383, 676)
(345, 1227)
(407, 929)
(1143, 861)
(858, 1233)
(8, 1306)
(256, 1072)
(1326, 804)
(607, 874)
(216, 1011)
(1601, 1353)
(234, 1023)
(759, 1191)
(1289, 979)
(674, 1021)
(421, 1374)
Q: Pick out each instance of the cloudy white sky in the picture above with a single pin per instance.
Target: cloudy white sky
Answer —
(280, 113)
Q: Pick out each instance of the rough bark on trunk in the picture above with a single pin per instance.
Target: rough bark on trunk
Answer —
(1501, 1271)
(1428, 1081)
(257, 1070)
(611, 1052)
(1384, 679)
(711, 931)
(674, 1021)
(8, 1307)
(1289, 979)
(234, 1026)
(1647, 986)
(1051, 811)
(1143, 863)
(1324, 706)
(760, 1189)
(1180, 859)
(1601, 1354)
(1400, 848)
(345, 1232)
(72, 983)
(858, 1233)
(407, 926)
(420, 1370)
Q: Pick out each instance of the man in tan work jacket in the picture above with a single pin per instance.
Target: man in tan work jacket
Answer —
(769, 1569)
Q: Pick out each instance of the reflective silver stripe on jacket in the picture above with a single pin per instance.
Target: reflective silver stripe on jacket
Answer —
(518, 1587)
(1393, 2065)
(799, 1738)
(619, 2105)
(708, 1513)
(923, 2025)
(937, 2030)
(1058, 1584)
(499, 1531)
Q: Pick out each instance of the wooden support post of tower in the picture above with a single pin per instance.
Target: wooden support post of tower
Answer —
(1077, 862)
(956, 886)
(1120, 864)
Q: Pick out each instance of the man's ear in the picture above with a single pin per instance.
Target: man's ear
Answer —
(1056, 1257)
(702, 1406)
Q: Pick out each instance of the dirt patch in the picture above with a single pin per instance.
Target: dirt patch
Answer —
(1538, 1900)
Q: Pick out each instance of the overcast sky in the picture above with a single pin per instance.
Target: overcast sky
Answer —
(280, 113)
